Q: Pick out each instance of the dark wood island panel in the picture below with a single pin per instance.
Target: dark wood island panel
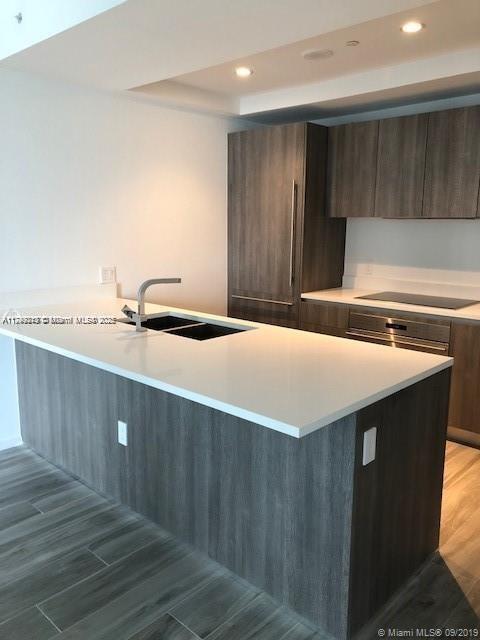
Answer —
(302, 519)
(397, 504)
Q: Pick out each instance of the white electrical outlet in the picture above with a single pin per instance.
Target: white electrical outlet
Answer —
(122, 433)
(369, 446)
(107, 275)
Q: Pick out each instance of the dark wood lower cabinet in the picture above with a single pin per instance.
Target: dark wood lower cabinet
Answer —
(302, 519)
(464, 417)
(464, 413)
(247, 308)
(320, 317)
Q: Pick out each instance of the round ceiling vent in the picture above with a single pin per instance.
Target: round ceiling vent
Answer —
(317, 54)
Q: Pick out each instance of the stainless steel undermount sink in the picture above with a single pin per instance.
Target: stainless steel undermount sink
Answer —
(164, 323)
(186, 327)
(205, 331)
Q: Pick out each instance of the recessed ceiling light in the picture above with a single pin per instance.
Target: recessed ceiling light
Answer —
(352, 43)
(412, 27)
(243, 72)
(317, 54)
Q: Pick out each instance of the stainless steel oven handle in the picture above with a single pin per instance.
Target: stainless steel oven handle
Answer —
(401, 341)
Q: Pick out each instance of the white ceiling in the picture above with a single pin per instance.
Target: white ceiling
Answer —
(41, 20)
(450, 26)
(144, 41)
(184, 52)
(387, 65)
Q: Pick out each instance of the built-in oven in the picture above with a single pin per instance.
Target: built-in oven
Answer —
(431, 337)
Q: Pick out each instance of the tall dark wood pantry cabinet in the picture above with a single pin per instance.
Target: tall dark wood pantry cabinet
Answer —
(280, 242)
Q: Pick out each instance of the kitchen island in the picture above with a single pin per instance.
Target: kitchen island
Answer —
(251, 447)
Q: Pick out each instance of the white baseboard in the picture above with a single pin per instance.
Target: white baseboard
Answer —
(8, 444)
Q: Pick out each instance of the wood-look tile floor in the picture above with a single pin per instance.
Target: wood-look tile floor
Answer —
(445, 594)
(76, 566)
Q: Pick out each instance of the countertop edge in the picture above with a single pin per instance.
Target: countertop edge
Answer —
(376, 397)
(276, 425)
(294, 431)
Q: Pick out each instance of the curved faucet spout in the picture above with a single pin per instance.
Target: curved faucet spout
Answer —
(141, 297)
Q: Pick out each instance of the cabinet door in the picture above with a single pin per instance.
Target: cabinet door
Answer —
(465, 386)
(324, 318)
(401, 167)
(352, 168)
(452, 170)
(265, 202)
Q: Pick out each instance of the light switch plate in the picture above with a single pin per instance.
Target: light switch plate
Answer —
(369, 446)
(107, 275)
(122, 433)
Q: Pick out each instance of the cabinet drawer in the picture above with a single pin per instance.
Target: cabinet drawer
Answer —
(403, 315)
(284, 315)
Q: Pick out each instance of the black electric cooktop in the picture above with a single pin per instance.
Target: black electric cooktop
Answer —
(419, 299)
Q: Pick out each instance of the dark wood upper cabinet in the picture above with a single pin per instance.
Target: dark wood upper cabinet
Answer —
(452, 171)
(401, 167)
(279, 241)
(426, 165)
(352, 168)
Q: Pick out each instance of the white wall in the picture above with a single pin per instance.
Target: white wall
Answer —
(89, 179)
(438, 256)
(9, 420)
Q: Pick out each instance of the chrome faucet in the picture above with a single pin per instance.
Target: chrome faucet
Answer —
(140, 315)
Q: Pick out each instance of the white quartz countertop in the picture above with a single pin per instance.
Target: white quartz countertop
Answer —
(291, 381)
(350, 297)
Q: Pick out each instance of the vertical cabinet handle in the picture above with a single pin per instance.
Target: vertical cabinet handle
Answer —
(292, 230)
